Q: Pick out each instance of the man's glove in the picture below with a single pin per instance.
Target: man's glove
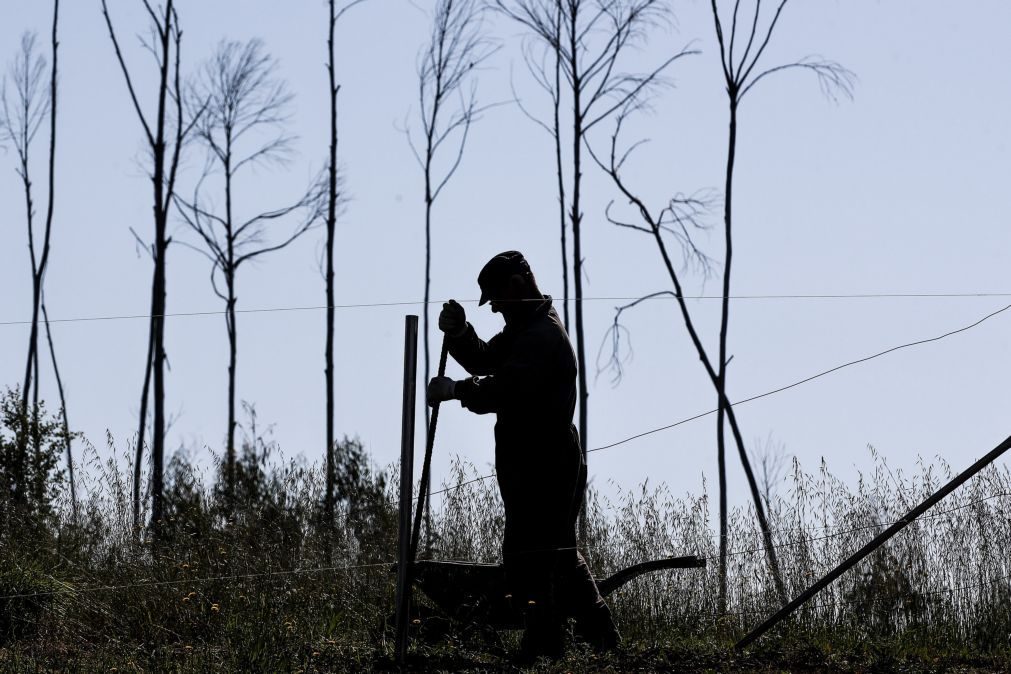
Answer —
(440, 389)
(453, 319)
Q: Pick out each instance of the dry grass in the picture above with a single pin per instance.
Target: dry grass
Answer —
(271, 587)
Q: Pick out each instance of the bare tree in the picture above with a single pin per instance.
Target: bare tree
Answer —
(242, 109)
(447, 98)
(676, 221)
(20, 122)
(537, 55)
(333, 203)
(589, 40)
(165, 136)
(678, 218)
(740, 75)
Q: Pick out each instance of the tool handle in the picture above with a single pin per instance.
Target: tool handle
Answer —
(427, 466)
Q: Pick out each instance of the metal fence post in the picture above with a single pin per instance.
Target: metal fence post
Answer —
(403, 596)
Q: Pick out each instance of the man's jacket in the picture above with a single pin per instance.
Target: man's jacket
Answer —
(526, 375)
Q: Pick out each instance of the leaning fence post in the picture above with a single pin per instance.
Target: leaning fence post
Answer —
(878, 540)
(403, 596)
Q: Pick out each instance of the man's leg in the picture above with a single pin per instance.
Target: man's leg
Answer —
(594, 623)
(580, 595)
(530, 565)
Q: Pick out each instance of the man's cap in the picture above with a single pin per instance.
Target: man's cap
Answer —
(498, 270)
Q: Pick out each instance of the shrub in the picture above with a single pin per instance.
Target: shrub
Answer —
(31, 442)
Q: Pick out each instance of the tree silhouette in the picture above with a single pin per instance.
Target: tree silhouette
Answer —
(676, 220)
(20, 121)
(165, 138)
(457, 46)
(588, 40)
(740, 75)
(244, 109)
(334, 200)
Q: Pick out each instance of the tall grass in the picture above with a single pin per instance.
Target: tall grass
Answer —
(271, 586)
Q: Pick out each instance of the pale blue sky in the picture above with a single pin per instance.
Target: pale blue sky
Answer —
(902, 190)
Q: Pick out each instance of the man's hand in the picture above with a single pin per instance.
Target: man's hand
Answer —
(440, 389)
(453, 319)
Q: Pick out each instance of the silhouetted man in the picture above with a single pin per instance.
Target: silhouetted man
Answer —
(526, 375)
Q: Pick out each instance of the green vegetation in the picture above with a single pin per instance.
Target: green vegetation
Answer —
(274, 588)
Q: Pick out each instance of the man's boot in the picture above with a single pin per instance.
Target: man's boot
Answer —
(596, 627)
(543, 635)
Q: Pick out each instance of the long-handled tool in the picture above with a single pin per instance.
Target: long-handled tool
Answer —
(427, 466)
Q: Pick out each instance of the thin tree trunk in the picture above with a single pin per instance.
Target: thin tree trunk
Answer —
(36, 436)
(162, 207)
(39, 271)
(232, 335)
(429, 201)
(331, 226)
(232, 362)
(63, 412)
(557, 130)
(763, 521)
(229, 273)
(33, 338)
(154, 370)
(577, 260)
(428, 286)
(38, 266)
(21, 457)
(721, 376)
(158, 430)
(22, 450)
(158, 376)
(142, 423)
(725, 409)
(33, 334)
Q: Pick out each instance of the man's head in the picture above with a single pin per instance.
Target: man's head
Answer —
(506, 280)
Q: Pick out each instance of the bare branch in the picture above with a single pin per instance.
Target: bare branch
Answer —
(456, 49)
(343, 10)
(640, 86)
(414, 150)
(728, 73)
(519, 103)
(743, 77)
(126, 75)
(616, 361)
(240, 92)
(155, 19)
(278, 150)
(620, 223)
(679, 217)
(733, 32)
(833, 79)
(21, 121)
(751, 35)
(198, 250)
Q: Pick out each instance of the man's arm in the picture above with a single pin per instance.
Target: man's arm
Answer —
(474, 354)
(517, 380)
